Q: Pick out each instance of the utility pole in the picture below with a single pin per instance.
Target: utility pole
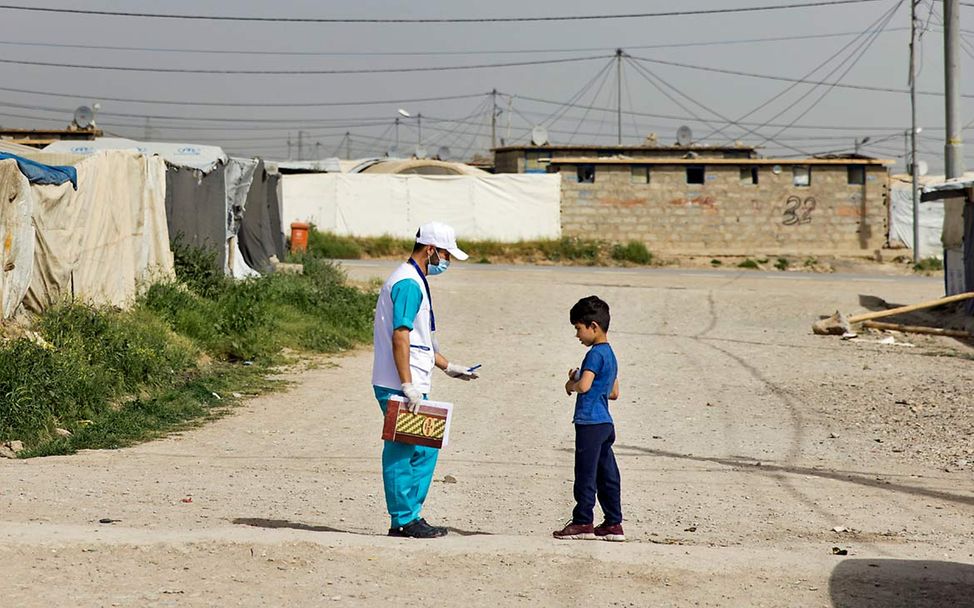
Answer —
(419, 126)
(619, 96)
(913, 130)
(300, 144)
(397, 136)
(954, 148)
(493, 118)
(348, 145)
(289, 146)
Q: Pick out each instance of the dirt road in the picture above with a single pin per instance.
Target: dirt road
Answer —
(744, 443)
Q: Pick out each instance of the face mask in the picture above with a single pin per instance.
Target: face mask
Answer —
(438, 268)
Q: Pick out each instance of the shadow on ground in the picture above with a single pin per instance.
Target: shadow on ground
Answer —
(273, 524)
(763, 468)
(893, 583)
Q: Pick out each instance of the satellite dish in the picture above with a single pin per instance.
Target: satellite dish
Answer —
(84, 117)
(922, 167)
(539, 136)
(421, 152)
(684, 136)
(404, 113)
(443, 152)
(776, 169)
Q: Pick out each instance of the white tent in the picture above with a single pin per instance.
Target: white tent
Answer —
(195, 156)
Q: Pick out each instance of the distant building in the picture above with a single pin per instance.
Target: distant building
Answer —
(713, 200)
(38, 138)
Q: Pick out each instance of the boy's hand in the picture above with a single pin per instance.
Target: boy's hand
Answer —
(569, 386)
(573, 374)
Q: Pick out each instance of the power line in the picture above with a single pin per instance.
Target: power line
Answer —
(120, 68)
(676, 117)
(807, 75)
(701, 68)
(702, 43)
(716, 11)
(234, 104)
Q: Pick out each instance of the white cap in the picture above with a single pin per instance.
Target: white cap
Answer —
(440, 236)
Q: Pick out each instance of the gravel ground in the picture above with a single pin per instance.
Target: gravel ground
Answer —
(762, 465)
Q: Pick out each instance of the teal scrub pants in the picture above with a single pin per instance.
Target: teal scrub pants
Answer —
(407, 471)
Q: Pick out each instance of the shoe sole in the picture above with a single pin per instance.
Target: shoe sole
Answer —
(577, 537)
(613, 538)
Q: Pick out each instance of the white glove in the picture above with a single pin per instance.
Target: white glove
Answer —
(414, 395)
(455, 370)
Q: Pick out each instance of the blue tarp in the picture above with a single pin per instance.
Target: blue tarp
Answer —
(38, 173)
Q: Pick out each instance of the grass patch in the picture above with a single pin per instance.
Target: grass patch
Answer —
(114, 378)
(929, 265)
(782, 264)
(715, 262)
(567, 250)
(749, 263)
(633, 251)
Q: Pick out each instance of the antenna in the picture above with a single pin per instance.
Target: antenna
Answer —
(684, 136)
(539, 136)
(84, 117)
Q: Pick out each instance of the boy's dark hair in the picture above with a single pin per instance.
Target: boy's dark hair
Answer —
(590, 310)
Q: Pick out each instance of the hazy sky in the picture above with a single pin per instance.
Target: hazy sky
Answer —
(882, 116)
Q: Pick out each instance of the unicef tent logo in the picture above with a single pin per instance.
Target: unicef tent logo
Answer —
(190, 151)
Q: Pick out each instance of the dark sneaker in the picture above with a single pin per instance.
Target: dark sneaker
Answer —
(573, 531)
(418, 528)
(610, 532)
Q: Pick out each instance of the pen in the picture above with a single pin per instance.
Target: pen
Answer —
(474, 368)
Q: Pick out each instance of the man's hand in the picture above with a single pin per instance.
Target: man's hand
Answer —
(455, 370)
(414, 395)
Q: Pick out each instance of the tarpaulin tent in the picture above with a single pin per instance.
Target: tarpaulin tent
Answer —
(207, 209)
(16, 237)
(509, 207)
(40, 173)
(260, 235)
(104, 241)
(196, 156)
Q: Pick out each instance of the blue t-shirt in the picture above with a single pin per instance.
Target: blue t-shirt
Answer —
(593, 407)
(406, 298)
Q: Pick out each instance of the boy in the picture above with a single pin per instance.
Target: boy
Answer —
(595, 383)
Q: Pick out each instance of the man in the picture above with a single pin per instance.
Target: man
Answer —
(406, 352)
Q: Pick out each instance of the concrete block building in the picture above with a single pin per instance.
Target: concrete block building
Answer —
(715, 200)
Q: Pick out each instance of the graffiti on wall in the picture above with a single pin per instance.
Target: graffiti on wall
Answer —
(798, 210)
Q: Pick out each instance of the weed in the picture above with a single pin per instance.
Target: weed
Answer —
(763, 261)
(716, 262)
(749, 263)
(929, 265)
(782, 264)
(809, 262)
(330, 246)
(633, 251)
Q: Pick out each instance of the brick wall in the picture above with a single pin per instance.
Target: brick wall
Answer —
(727, 214)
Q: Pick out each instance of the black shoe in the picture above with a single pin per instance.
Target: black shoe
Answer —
(418, 528)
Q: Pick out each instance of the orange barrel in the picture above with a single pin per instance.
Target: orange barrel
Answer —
(299, 236)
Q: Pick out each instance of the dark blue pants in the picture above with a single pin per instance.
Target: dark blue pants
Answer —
(596, 474)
